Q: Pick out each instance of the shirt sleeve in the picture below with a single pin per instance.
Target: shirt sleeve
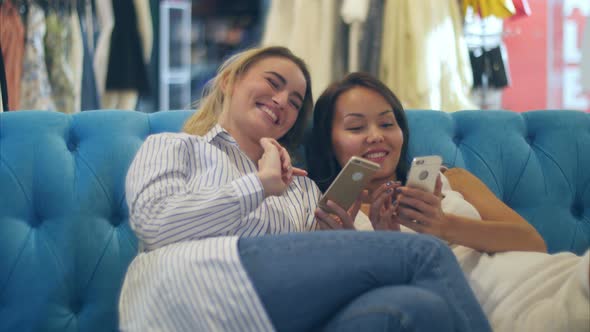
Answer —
(311, 197)
(164, 208)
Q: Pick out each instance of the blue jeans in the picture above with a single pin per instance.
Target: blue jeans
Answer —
(360, 281)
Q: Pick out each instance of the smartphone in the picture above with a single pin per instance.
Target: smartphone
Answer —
(423, 172)
(349, 183)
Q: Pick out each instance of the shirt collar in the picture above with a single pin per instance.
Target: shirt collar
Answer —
(218, 131)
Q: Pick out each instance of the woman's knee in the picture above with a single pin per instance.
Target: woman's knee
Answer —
(394, 308)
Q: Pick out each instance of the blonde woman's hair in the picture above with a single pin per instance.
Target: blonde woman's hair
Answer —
(215, 101)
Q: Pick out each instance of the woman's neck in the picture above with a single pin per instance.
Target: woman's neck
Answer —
(251, 148)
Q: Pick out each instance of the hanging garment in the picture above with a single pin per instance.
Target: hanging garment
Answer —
(424, 58)
(12, 38)
(76, 57)
(35, 92)
(3, 85)
(308, 29)
(490, 67)
(354, 13)
(127, 74)
(89, 99)
(120, 99)
(106, 22)
(126, 68)
(58, 41)
(370, 43)
(145, 27)
(87, 22)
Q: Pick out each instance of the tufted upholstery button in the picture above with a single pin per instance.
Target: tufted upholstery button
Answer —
(117, 218)
(116, 221)
(530, 139)
(72, 146)
(577, 210)
(457, 139)
(72, 142)
(76, 306)
(35, 222)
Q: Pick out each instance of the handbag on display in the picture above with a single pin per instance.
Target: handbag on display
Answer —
(489, 65)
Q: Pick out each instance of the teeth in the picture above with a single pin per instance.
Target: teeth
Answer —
(269, 112)
(376, 155)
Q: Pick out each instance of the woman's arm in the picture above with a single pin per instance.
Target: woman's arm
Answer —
(166, 208)
(501, 228)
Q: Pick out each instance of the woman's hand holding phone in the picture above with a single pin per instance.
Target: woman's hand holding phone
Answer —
(339, 218)
(421, 211)
(418, 204)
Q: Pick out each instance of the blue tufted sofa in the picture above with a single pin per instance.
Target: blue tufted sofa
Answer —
(65, 242)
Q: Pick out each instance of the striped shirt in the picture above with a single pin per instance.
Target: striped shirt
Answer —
(190, 199)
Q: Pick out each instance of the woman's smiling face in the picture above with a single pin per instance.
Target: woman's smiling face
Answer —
(364, 125)
(266, 100)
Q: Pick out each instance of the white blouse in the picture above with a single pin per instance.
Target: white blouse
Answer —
(190, 199)
(519, 291)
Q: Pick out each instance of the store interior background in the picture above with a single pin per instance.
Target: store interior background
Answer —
(543, 51)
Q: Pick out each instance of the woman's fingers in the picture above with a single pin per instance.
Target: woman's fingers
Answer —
(285, 157)
(354, 210)
(382, 197)
(382, 211)
(392, 219)
(415, 204)
(327, 221)
(409, 214)
(299, 172)
(374, 211)
(270, 159)
(287, 167)
(438, 187)
(419, 194)
(343, 216)
(416, 227)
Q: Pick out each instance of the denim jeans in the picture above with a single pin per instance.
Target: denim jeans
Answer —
(360, 281)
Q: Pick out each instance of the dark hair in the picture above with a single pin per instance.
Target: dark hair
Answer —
(323, 167)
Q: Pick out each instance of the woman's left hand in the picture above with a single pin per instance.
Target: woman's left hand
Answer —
(339, 218)
(382, 209)
(421, 211)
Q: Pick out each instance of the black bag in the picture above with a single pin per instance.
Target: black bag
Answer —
(490, 67)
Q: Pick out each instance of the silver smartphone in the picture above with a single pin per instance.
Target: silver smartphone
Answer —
(423, 172)
(349, 183)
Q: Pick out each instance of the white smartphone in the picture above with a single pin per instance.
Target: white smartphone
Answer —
(423, 173)
(349, 183)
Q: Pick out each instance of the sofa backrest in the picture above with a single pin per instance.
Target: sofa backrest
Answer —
(64, 233)
(537, 162)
